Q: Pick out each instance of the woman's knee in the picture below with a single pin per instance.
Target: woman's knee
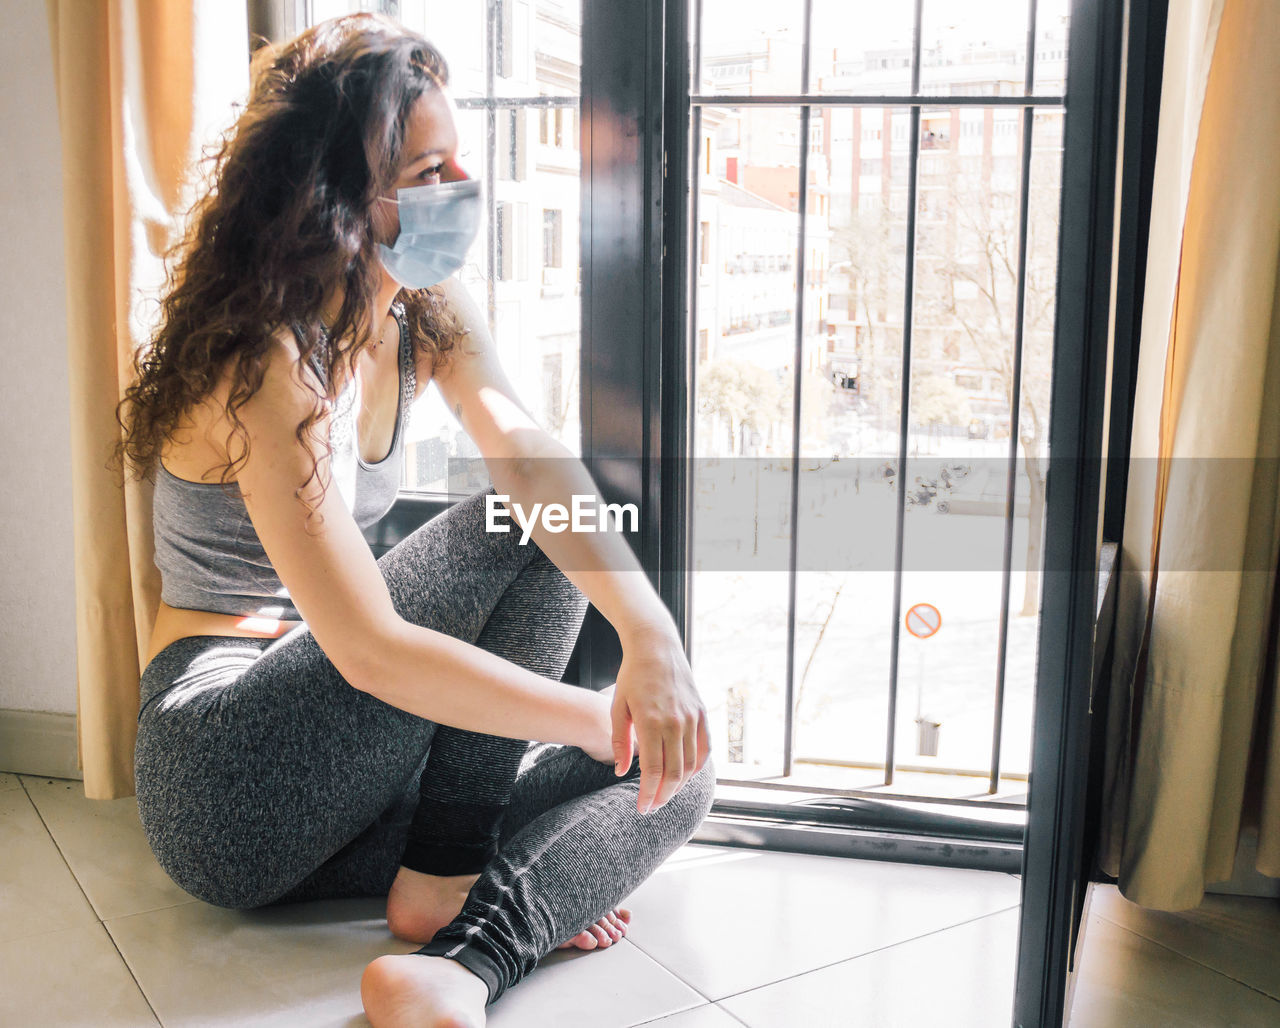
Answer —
(693, 802)
(704, 785)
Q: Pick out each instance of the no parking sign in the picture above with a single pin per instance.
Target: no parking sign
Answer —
(923, 620)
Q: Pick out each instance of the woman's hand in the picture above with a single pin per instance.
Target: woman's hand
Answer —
(599, 744)
(656, 705)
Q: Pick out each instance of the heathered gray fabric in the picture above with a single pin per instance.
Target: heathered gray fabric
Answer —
(207, 551)
(263, 777)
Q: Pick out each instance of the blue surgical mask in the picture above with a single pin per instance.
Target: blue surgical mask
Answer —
(438, 223)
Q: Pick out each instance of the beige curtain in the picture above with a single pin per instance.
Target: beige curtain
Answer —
(142, 84)
(1194, 677)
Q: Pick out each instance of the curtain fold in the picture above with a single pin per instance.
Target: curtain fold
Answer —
(142, 84)
(1194, 674)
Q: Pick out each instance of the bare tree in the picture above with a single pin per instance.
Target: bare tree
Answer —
(972, 283)
(744, 394)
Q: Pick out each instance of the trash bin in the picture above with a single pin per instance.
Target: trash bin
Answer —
(927, 737)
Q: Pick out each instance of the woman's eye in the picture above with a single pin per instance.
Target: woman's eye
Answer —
(428, 172)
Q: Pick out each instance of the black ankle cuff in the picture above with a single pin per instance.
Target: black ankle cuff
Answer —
(448, 858)
(473, 959)
(451, 838)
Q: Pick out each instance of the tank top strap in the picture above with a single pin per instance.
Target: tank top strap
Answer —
(408, 363)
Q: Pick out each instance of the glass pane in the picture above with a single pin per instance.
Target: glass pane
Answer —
(523, 269)
(957, 467)
(537, 47)
(974, 47)
(751, 47)
(958, 444)
(460, 37)
(861, 47)
(1052, 22)
(748, 186)
(1033, 436)
(851, 391)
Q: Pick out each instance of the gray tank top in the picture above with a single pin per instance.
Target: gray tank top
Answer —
(207, 551)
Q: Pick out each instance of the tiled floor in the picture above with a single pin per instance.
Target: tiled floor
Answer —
(1213, 967)
(93, 933)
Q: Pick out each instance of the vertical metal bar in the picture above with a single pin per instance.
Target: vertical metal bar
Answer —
(904, 419)
(491, 154)
(1015, 403)
(802, 202)
(695, 239)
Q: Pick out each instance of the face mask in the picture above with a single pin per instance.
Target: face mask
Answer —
(437, 226)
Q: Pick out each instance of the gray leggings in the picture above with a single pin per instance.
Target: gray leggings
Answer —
(263, 777)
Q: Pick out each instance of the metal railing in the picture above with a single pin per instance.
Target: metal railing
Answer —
(805, 102)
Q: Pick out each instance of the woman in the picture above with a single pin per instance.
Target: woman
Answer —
(315, 723)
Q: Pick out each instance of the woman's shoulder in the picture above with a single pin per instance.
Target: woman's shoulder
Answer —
(270, 395)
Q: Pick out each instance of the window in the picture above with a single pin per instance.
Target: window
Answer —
(552, 226)
(801, 650)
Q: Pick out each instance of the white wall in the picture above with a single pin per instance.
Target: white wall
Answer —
(37, 589)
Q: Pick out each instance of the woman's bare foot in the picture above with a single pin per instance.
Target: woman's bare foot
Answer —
(415, 991)
(419, 905)
(605, 932)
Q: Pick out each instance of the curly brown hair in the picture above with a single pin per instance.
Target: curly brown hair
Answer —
(289, 217)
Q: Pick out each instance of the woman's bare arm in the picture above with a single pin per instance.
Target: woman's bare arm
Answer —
(655, 689)
(336, 585)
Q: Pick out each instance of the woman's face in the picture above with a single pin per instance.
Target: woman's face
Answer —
(430, 156)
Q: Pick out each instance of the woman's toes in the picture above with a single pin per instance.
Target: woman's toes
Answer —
(605, 932)
(583, 940)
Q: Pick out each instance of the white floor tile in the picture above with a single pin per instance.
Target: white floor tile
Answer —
(1126, 981)
(8, 781)
(288, 965)
(1238, 936)
(301, 964)
(38, 893)
(619, 986)
(103, 842)
(709, 1015)
(727, 920)
(962, 977)
(68, 978)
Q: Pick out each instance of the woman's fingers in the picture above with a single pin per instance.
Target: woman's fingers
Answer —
(621, 722)
(673, 773)
(652, 767)
(672, 750)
